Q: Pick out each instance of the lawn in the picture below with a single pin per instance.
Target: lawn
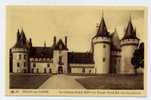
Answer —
(113, 81)
(27, 81)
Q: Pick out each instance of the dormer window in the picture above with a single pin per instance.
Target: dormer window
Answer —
(60, 46)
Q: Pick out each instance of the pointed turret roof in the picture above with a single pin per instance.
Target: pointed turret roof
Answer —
(130, 32)
(102, 29)
(21, 40)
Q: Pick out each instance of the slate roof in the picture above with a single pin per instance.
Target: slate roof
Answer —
(130, 32)
(21, 40)
(102, 29)
(60, 45)
(80, 58)
(41, 52)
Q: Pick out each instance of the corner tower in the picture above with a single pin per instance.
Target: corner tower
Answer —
(19, 54)
(128, 45)
(101, 49)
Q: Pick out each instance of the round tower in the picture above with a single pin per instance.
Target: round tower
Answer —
(20, 54)
(101, 49)
(128, 45)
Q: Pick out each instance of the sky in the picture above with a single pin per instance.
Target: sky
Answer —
(78, 23)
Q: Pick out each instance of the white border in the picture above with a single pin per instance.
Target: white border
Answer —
(3, 3)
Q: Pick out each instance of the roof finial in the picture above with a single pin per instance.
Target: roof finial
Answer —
(102, 13)
(22, 31)
(130, 17)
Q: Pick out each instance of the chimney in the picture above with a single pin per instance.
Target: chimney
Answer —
(54, 40)
(66, 41)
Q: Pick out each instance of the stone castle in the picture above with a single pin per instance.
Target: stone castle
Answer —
(108, 54)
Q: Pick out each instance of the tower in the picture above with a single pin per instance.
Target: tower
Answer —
(101, 49)
(128, 45)
(115, 53)
(20, 54)
(60, 57)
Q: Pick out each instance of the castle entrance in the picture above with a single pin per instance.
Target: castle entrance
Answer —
(60, 70)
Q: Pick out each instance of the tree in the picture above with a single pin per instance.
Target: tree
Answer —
(138, 57)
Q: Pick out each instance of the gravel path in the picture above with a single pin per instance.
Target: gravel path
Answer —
(61, 82)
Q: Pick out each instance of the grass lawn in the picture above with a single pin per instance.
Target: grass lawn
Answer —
(113, 81)
(27, 81)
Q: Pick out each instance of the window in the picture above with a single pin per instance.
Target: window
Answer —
(103, 59)
(19, 56)
(60, 60)
(32, 70)
(24, 64)
(50, 70)
(83, 70)
(18, 64)
(45, 70)
(37, 70)
(25, 71)
(89, 71)
(48, 65)
(34, 65)
(104, 46)
(25, 57)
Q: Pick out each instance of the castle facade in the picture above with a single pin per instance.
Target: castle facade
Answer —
(109, 54)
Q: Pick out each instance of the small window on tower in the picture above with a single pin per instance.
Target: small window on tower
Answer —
(18, 64)
(104, 46)
(103, 59)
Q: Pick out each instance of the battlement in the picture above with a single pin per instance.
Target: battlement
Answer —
(129, 42)
(116, 53)
(102, 40)
(18, 50)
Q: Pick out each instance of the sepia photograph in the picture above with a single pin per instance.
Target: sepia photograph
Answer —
(89, 50)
